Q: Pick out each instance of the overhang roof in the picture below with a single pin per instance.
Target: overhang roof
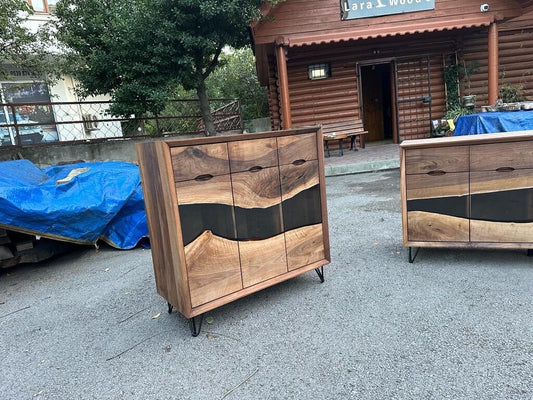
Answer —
(369, 32)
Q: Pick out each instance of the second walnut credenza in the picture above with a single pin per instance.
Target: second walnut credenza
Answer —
(468, 191)
(231, 215)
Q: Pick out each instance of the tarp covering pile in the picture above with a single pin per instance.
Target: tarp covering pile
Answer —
(493, 122)
(80, 203)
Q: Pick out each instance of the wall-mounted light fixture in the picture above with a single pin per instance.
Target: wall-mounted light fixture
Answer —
(318, 71)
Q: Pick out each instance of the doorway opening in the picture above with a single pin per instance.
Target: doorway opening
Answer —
(376, 85)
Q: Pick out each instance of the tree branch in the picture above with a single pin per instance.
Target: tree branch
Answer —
(212, 65)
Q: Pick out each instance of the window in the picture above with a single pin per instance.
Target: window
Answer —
(318, 71)
(43, 6)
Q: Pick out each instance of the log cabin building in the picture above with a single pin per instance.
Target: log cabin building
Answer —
(384, 61)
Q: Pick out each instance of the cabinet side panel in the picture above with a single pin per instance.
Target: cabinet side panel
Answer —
(319, 148)
(162, 224)
(403, 195)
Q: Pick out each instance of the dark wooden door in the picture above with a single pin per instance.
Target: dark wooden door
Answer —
(376, 101)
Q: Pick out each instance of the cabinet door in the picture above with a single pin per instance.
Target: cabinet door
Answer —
(258, 221)
(502, 205)
(205, 207)
(437, 207)
(302, 213)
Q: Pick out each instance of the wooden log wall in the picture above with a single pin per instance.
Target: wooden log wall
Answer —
(337, 98)
(515, 61)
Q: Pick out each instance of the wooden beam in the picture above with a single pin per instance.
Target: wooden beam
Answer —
(283, 83)
(493, 61)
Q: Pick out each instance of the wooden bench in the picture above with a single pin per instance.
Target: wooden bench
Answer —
(342, 130)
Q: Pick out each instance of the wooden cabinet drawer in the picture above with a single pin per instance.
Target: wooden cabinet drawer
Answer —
(204, 160)
(209, 238)
(259, 224)
(300, 193)
(296, 148)
(437, 207)
(439, 159)
(501, 156)
(437, 186)
(502, 206)
(248, 155)
(257, 200)
(302, 213)
(213, 268)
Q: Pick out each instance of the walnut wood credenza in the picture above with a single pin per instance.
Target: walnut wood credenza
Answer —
(468, 191)
(231, 215)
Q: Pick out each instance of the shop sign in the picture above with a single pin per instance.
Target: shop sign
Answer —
(352, 9)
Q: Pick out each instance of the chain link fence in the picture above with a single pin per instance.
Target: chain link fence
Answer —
(28, 124)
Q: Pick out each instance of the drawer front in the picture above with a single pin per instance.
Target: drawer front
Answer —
(300, 192)
(209, 234)
(257, 199)
(437, 186)
(259, 224)
(440, 159)
(213, 268)
(206, 206)
(302, 214)
(502, 206)
(437, 207)
(305, 246)
(191, 162)
(501, 156)
(248, 155)
(262, 259)
(295, 148)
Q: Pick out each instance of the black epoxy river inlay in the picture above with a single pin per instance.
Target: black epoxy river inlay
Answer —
(250, 223)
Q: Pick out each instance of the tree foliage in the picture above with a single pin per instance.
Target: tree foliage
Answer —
(236, 78)
(19, 46)
(139, 51)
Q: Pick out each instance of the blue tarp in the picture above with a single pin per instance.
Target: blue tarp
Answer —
(492, 122)
(98, 200)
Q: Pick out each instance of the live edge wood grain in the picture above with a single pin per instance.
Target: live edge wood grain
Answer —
(213, 268)
(474, 191)
(215, 208)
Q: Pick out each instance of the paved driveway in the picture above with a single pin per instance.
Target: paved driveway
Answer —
(453, 325)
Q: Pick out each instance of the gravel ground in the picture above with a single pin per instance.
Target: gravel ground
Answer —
(455, 324)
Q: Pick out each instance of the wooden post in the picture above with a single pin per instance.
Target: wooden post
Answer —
(283, 83)
(493, 63)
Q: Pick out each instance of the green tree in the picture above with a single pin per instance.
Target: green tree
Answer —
(236, 78)
(139, 51)
(18, 45)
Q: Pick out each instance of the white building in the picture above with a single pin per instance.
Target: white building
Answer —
(52, 119)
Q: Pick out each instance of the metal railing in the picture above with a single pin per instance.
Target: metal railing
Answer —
(29, 124)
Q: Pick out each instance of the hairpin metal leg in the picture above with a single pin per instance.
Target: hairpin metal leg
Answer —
(320, 272)
(196, 325)
(327, 148)
(411, 256)
(170, 307)
(340, 147)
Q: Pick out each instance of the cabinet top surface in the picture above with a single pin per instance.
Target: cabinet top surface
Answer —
(238, 137)
(468, 140)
